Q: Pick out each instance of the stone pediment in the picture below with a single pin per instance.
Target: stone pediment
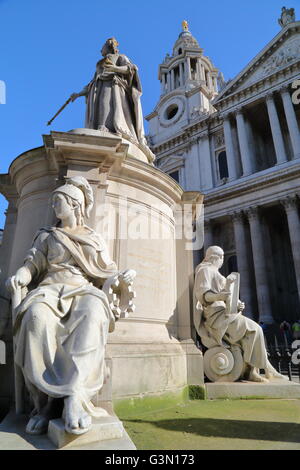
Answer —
(280, 53)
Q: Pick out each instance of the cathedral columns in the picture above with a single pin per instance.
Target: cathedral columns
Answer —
(169, 81)
(242, 261)
(163, 83)
(260, 269)
(276, 129)
(181, 72)
(243, 142)
(291, 208)
(229, 147)
(208, 235)
(172, 80)
(205, 161)
(291, 120)
(189, 72)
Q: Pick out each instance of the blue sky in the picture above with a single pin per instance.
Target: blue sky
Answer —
(49, 49)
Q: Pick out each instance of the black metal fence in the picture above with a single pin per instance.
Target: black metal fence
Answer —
(284, 355)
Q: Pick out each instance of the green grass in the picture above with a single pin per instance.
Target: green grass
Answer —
(218, 424)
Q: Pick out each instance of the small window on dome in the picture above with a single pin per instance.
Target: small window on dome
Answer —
(171, 111)
(179, 51)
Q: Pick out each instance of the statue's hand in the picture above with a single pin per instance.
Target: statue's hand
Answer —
(241, 306)
(224, 296)
(128, 276)
(111, 68)
(21, 279)
(231, 278)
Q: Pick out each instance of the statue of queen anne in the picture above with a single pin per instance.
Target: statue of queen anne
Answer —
(113, 97)
(61, 327)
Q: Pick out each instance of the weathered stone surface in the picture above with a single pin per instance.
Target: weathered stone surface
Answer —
(103, 429)
(273, 389)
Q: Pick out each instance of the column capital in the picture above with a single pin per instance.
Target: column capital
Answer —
(237, 216)
(269, 96)
(252, 213)
(207, 224)
(285, 88)
(203, 135)
(239, 111)
(290, 202)
(225, 115)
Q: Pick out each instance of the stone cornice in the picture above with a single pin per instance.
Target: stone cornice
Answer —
(253, 185)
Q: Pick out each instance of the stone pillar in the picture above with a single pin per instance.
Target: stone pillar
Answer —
(260, 269)
(172, 80)
(291, 121)
(243, 143)
(169, 81)
(185, 263)
(198, 69)
(229, 148)
(205, 162)
(208, 234)
(276, 129)
(163, 83)
(242, 262)
(181, 73)
(291, 208)
(188, 63)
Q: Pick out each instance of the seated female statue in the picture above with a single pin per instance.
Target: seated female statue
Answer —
(62, 325)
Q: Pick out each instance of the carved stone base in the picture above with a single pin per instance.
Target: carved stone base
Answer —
(14, 437)
(103, 429)
(273, 389)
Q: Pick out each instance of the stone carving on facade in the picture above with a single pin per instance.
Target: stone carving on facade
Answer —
(198, 111)
(113, 97)
(287, 16)
(290, 202)
(219, 140)
(283, 57)
(61, 326)
(235, 344)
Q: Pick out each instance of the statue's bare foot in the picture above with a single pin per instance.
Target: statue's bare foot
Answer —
(254, 376)
(272, 374)
(77, 420)
(40, 417)
(38, 424)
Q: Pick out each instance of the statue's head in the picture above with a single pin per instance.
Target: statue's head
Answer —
(110, 47)
(215, 256)
(76, 196)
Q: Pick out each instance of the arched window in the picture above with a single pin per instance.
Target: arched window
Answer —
(179, 51)
(223, 167)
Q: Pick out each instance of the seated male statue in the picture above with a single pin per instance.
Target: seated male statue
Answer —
(217, 327)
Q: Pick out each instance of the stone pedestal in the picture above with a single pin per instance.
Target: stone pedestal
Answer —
(103, 429)
(138, 223)
(273, 389)
(14, 437)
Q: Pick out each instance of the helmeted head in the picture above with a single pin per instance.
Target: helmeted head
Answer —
(79, 195)
(215, 256)
(110, 47)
